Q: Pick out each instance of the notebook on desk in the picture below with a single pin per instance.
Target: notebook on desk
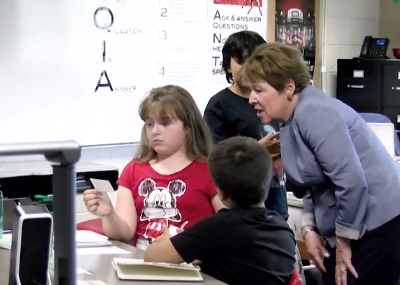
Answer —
(138, 269)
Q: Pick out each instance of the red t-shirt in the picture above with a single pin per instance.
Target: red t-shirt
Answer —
(180, 199)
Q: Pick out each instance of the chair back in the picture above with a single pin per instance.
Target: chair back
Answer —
(296, 279)
(379, 118)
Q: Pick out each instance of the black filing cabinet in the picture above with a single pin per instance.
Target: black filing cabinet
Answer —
(369, 85)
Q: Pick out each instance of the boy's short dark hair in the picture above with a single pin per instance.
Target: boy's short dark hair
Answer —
(242, 170)
(238, 46)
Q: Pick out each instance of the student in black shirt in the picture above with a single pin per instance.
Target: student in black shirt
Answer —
(245, 243)
(229, 114)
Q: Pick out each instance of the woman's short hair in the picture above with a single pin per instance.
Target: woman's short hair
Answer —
(276, 63)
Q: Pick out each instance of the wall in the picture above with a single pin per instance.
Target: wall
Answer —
(342, 32)
(389, 21)
(345, 29)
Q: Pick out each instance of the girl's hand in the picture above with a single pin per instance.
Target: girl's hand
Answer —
(98, 203)
(343, 261)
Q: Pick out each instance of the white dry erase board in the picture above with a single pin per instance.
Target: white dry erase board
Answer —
(77, 69)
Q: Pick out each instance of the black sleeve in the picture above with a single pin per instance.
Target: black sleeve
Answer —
(202, 239)
(214, 116)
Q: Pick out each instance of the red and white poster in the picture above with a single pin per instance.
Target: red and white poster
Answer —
(226, 17)
(295, 25)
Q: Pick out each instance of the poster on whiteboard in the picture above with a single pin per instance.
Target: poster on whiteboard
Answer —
(120, 37)
(226, 17)
(181, 44)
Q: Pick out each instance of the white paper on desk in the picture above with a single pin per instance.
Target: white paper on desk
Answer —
(102, 185)
(5, 242)
(101, 250)
(91, 239)
(82, 271)
(90, 282)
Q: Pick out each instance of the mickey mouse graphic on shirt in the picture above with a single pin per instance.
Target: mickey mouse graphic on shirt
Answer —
(160, 205)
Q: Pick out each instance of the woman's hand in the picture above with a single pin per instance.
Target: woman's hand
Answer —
(343, 261)
(316, 249)
(98, 203)
(273, 146)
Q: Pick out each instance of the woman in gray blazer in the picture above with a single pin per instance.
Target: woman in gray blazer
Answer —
(332, 159)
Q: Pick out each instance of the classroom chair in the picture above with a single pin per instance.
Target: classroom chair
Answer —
(379, 118)
(94, 225)
(296, 279)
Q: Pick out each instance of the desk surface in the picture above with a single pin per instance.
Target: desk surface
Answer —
(100, 266)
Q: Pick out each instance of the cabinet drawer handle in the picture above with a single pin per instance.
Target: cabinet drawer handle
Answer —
(356, 86)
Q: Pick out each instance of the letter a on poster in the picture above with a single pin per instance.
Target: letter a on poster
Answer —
(226, 17)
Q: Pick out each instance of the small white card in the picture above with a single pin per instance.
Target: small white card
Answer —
(102, 185)
(173, 231)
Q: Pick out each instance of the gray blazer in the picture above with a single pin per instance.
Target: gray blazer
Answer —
(350, 182)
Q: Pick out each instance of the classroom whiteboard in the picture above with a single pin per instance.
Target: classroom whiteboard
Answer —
(77, 69)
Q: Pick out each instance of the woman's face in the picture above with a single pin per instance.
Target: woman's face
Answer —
(270, 104)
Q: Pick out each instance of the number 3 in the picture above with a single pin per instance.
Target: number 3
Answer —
(163, 35)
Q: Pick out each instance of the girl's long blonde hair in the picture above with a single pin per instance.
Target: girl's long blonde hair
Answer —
(175, 102)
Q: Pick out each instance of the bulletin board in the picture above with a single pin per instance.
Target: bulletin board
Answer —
(79, 69)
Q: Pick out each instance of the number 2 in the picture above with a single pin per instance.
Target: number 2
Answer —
(163, 12)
